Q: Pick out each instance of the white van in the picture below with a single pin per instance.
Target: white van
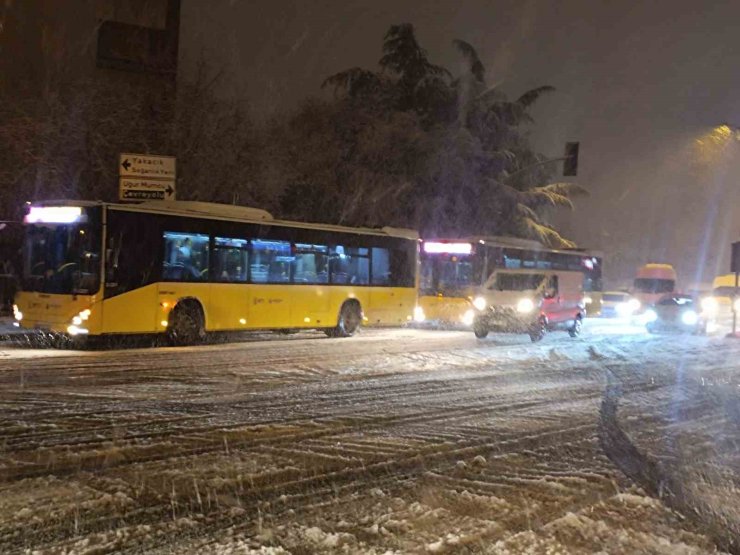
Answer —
(530, 301)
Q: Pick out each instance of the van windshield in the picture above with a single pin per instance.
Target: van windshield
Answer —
(654, 285)
(518, 282)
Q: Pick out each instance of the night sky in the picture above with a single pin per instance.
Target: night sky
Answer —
(637, 85)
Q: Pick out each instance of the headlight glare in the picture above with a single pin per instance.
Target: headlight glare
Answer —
(468, 317)
(17, 314)
(650, 315)
(525, 306)
(480, 303)
(689, 317)
(419, 315)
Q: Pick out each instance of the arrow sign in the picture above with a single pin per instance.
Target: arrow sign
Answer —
(132, 189)
(149, 166)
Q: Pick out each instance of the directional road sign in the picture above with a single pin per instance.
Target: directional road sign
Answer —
(151, 166)
(134, 188)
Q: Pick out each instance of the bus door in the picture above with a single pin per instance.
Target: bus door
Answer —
(229, 306)
(309, 297)
(269, 293)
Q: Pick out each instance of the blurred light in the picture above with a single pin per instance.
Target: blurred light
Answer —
(85, 314)
(164, 323)
(709, 305)
(242, 321)
(74, 330)
(448, 248)
(587, 300)
(689, 317)
(419, 315)
(16, 324)
(17, 314)
(736, 304)
(53, 215)
(650, 315)
(480, 303)
(307, 319)
(525, 306)
(634, 304)
(77, 321)
(468, 318)
(165, 304)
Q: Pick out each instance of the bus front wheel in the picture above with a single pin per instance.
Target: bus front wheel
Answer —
(186, 325)
(350, 318)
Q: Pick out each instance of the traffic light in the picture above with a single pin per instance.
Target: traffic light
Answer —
(570, 164)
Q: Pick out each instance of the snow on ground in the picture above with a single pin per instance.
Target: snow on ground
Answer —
(395, 441)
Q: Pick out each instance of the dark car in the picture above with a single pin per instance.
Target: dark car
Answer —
(677, 313)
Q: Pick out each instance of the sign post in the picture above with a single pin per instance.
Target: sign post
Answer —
(146, 177)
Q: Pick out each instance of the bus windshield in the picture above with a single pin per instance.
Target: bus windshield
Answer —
(447, 274)
(654, 285)
(61, 258)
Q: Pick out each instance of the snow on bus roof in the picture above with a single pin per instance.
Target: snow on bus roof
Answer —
(229, 212)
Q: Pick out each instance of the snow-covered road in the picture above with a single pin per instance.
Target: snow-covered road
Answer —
(395, 441)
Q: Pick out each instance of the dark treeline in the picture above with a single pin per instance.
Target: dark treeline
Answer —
(409, 144)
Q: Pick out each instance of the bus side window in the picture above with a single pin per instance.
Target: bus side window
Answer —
(270, 261)
(311, 263)
(185, 256)
(381, 274)
(231, 258)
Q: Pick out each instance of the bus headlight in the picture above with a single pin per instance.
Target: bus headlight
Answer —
(75, 330)
(468, 317)
(650, 316)
(419, 315)
(689, 317)
(525, 306)
(480, 303)
(17, 314)
(709, 305)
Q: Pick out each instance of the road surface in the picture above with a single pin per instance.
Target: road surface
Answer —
(394, 441)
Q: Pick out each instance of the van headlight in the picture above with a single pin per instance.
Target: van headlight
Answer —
(419, 315)
(689, 317)
(709, 305)
(17, 314)
(525, 306)
(480, 303)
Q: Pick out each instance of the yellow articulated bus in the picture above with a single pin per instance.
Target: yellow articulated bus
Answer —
(452, 270)
(186, 268)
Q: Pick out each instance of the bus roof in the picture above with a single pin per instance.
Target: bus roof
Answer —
(512, 242)
(216, 211)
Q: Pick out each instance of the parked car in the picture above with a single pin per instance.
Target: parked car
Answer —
(531, 302)
(678, 313)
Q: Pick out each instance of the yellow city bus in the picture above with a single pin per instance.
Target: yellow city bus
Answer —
(453, 269)
(186, 268)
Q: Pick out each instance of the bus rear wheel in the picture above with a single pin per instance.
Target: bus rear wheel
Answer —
(186, 325)
(350, 318)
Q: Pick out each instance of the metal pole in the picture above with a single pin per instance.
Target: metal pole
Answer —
(734, 309)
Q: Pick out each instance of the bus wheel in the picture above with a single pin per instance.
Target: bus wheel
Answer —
(537, 332)
(350, 318)
(187, 324)
(480, 329)
(575, 330)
